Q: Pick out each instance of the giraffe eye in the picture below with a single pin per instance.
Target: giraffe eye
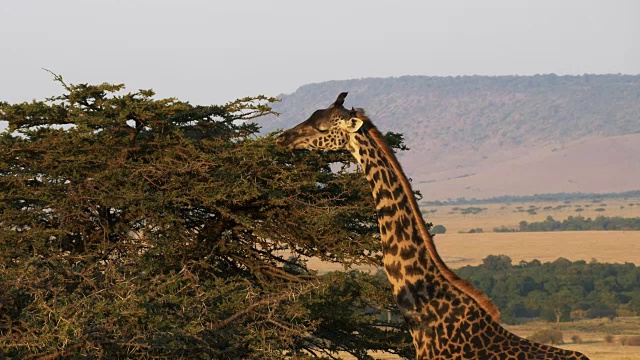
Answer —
(322, 128)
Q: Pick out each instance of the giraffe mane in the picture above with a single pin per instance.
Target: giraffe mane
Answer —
(481, 298)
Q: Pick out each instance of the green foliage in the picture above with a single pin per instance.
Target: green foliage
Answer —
(504, 229)
(556, 290)
(132, 227)
(496, 262)
(395, 141)
(577, 223)
(351, 313)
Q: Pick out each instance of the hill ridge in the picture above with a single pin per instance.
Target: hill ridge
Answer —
(457, 123)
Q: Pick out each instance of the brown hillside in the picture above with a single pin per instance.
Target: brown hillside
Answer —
(479, 136)
(589, 165)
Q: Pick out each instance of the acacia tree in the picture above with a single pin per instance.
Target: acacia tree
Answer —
(137, 227)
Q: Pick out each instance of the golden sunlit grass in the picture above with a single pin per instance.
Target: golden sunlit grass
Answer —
(459, 250)
(510, 215)
(592, 333)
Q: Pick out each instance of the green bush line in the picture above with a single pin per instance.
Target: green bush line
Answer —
(557, 291)
(551, 197)
(577, 223)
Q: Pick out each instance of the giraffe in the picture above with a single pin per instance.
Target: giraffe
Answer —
(447, 317)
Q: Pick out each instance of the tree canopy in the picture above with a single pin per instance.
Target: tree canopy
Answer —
(558, 290)
(139, 227)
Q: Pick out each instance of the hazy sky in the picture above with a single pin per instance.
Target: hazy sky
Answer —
(210, 52)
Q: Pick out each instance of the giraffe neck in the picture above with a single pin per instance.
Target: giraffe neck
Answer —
(447, 317)
(405, 257)
(409, 252)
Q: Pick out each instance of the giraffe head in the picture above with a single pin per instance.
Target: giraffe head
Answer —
(326, 129)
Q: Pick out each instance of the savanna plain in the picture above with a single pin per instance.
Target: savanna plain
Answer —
(600, 339)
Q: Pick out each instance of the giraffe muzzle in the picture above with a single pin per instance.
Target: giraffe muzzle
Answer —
(286, 140)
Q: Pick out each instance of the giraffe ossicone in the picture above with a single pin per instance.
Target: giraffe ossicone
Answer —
(448, 318)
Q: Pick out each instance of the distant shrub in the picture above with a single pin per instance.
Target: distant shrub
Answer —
(548, 336)
(601, 311)
(576, 339)
(472, 210)
(630, 340)
(504, 229)
(578, 314)
(608, 339)
(438, 229)
(476, 230)
(600, 209)
(496, 262)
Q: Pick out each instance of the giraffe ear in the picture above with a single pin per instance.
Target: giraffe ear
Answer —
(340, 100)
(354, 124)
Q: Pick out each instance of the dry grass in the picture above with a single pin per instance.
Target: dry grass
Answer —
(592, 333)
(469, 249)
(459, 250)
(605, 246)
(497, 215)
